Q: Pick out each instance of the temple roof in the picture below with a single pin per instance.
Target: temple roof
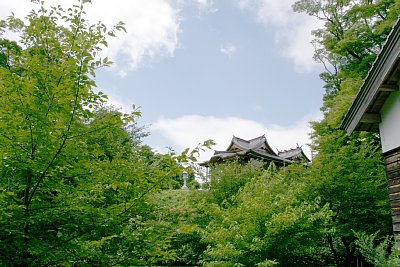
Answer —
(259, 144)
(295, 154)
(257, 148)
(223, 155)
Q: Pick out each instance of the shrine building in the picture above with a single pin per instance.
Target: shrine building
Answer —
(256, 149)
(376, 108)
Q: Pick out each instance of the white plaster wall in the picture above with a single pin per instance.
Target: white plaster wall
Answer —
(390, 126)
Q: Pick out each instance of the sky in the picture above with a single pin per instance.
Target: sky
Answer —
(209, 69)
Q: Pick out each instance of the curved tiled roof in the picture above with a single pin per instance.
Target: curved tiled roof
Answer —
(258, 143)
(257, 148)
(295, 154)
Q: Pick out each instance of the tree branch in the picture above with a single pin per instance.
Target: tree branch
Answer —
(351, 52)
(65, 135)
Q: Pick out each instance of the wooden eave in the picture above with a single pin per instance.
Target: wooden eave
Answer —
(268, 156)
(243, 154)
(303, 156)
(382, 79)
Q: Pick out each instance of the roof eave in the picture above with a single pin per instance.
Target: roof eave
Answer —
(382, 66)
(269, 156)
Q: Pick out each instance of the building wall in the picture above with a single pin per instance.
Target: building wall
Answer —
(390, 125)
(392, 162)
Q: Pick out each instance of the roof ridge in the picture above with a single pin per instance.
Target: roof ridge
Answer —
(235, 137)
(259, 137)
(290, 149)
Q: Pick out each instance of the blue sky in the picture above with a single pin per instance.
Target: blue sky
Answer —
(205, 69)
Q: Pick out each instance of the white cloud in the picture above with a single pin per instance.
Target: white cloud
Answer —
(272, 12)
(119, 102)
(190, 130)
(19, 8)
(152, 27)
(206, 6)
(152, 30)
(292, 30)
(228, 49)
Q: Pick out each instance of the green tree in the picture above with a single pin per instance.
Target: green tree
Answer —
(170, 232)
(353, 34)
(269, 224)
(227, 179)
(348, 175)
(73, 175)
(347, 172)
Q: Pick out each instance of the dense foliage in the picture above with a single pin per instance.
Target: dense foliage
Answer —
(73, 175)
(348, 169)
(346, 182)
(346, 179)
(77, 187)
